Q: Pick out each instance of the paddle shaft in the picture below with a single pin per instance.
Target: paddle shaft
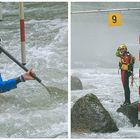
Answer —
(21, 65)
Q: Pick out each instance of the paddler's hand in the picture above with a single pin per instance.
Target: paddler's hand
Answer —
(27, 75)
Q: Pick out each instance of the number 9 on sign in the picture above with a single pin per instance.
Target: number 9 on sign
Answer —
(114, 19)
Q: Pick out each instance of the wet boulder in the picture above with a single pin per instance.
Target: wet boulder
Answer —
(76, 83)
(131, 111)
(89, 115)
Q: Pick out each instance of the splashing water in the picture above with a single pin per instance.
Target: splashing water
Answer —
(29, 111)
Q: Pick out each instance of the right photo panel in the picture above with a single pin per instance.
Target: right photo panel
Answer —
(105, 58)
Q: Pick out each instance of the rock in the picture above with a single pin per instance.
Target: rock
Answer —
(76, 83)
(88, 115)
(131, 111)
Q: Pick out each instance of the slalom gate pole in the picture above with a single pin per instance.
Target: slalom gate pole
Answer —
(23, 67)
(22, 33)
(139, 83)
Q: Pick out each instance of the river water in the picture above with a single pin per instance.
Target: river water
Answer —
(106, 84)
(29, 111)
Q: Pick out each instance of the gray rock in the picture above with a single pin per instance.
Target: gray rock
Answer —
(88, 115)
(131, 111)
(76, 83)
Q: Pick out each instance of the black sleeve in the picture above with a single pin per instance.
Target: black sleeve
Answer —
(20, 79)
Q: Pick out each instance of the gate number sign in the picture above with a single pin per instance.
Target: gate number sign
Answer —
(114, 19)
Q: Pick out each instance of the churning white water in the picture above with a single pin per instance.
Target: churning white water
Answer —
(106, 84)
(29, 111)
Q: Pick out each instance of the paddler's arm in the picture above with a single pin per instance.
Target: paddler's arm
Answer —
(8, 85)
(118, 53)
(12, 83)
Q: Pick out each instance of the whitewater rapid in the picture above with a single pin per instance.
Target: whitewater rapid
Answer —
(29, 111)
(106, 84)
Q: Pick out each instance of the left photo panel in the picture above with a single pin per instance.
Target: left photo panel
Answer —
(33, 69)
